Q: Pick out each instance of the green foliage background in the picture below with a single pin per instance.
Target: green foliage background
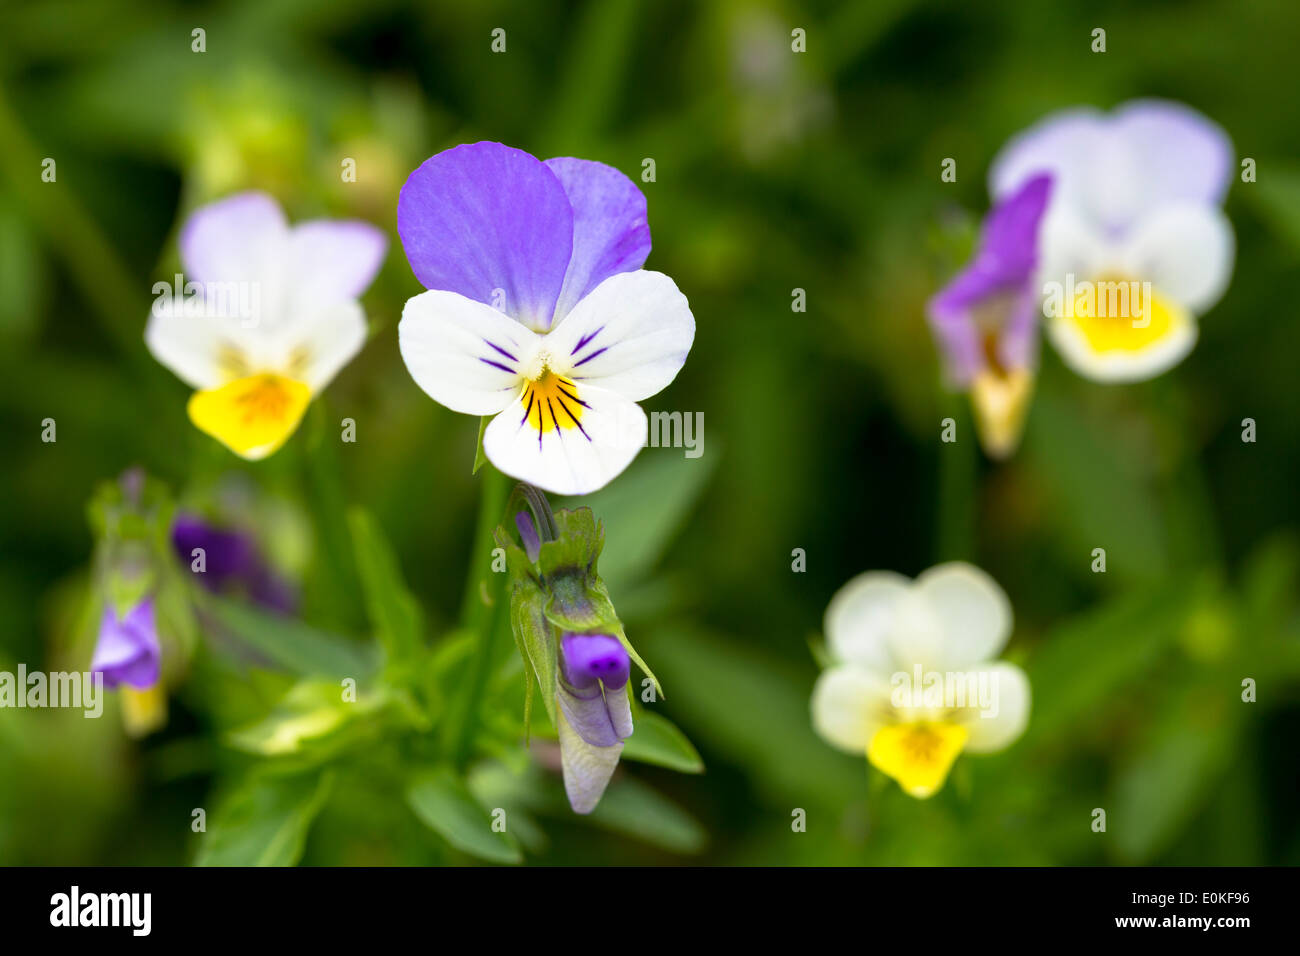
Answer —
(775, 171)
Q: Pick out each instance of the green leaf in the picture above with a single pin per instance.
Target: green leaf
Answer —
(535, 640)
(394, 611)
(1093, 656)
(313, 715)
(1097, 489)
(1276, 194)
(480, 456)
(634, 809)
(288, 643)
(644, 509)
(754, 707)
(444, 804)
(264, 822)
(657, 740)
(1171, 772)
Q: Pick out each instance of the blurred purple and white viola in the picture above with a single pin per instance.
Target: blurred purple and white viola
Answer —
(1134, 245)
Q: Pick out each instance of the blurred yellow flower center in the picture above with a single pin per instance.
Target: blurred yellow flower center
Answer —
(1116, 314)
(550, 402)
(143, 711)
(917, 755)
(252, 416)
(1001, 401)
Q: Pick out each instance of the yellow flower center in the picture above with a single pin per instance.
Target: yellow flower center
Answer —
(917, 755)
(551, 402)
(252, 416)
(143, 711)
(1116, 314)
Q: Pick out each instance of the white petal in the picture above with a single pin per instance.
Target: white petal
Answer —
(974, 612)
(587, 769)
(206, 350)
(1185, 251)
(849, 704)
(630, 335)
(1069, 244)
(464, 354)
(334, 260)
(1008, 714)
(191, 346)
(917, 634)
(315, 348)
(568, 461)
(860, 616)
(232, 239)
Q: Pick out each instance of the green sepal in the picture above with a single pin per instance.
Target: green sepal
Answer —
(131, 519)
(579, 541)
(535, 639)
(582, 605)
(480, 456)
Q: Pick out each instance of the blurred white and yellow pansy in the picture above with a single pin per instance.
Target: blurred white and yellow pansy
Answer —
(269, 315)
(1134, 209)
(914, 681)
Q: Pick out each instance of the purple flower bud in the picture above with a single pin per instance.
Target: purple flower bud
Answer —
(592, 657)
(127, 651)
(528, 535)
(601, 716)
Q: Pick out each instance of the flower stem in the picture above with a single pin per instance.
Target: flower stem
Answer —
(480, 611)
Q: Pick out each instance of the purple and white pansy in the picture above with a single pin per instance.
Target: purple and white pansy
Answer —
(538, 311)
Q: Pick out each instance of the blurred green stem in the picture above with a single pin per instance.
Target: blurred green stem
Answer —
(480, 610)
(958, 463)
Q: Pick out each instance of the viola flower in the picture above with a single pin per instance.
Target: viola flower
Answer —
(129, 655)
(274, 319)
(593, 716)
(127, 651)
(915, 682)
(1134, 245)
(985, 321)
(232, 560)
(539, 312)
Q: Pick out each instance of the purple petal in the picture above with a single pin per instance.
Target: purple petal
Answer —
(127, 651)
(588, 715)
(601, 715)
(998, 282)
(1118, 167)
(227, 555)
(1191, 155)
(232, 239)
(592, 658)
(587, 768)
(1050, 146)
(610, 231)
(483, 217)
(1009, 240)
(528, 535)
(335, 260)
(232, 560)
